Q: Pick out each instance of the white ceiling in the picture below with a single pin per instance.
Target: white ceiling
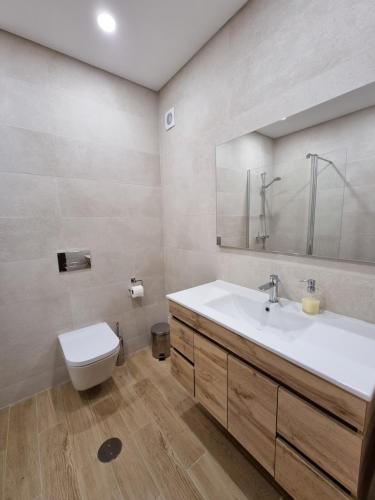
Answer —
(153, 39)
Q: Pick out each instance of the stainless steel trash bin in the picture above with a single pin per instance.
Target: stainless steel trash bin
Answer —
(160, 341)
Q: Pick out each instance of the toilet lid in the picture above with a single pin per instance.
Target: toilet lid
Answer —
(87, 345)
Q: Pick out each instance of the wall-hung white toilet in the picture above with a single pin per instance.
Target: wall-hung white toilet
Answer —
(90, 354)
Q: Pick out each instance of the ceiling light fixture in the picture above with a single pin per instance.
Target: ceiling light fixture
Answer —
(106, 22)
(284, 118)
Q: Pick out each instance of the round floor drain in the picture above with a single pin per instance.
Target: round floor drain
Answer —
(109, 450)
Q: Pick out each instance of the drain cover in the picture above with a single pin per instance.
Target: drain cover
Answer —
(109, 450)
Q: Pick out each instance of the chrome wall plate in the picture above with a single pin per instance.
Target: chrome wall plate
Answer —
(74, 260)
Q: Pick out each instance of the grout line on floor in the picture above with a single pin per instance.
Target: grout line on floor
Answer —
(38, 445)
(197, 460)
(117, 483)
(2, 492)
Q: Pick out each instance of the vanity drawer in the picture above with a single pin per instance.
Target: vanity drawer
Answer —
(183, 371)
(252, 408)
(186, 315)
(211, 377)
(182, 338)
(301, 479)
(331, 445)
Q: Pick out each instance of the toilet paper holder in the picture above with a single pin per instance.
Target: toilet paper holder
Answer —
(134, 281)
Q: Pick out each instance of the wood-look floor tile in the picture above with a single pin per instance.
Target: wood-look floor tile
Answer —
(4, 422)
(122, 376)
(150, 365)
(2, 473)
(185, 445)
(212, 481)
(132, 408)
(242, 471)
(59, 479)
(97, 482)
(142, 365)
(132, 474)
(50, 408)
(22, 471)
(135, 371)
(173, 481)
(99, 392)
(82, 427)
(174, 393)
(159, 372)
(171, 448)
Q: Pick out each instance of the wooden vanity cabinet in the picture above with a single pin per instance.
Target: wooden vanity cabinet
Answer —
(211, 369)
(252, 409)
(308, 433)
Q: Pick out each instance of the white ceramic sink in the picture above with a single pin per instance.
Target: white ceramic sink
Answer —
(261, 315)
(335, 347)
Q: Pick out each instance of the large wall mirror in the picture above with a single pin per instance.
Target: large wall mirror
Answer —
(303, 185)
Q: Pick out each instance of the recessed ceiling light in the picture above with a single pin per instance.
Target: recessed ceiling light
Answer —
(284, 117)
(106, 22)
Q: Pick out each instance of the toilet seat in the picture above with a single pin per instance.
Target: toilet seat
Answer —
(87, 345)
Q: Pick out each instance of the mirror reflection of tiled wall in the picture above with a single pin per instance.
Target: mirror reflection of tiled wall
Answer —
(345, 207)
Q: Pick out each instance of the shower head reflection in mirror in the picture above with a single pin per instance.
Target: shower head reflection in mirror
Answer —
(263, 235)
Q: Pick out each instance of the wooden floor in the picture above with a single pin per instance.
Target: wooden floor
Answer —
(171, 449)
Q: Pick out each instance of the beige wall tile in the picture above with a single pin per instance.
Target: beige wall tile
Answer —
(70, 180)
(28, 195)
(19, 110)
(26, 151)
(89, 198)
(29, 62)
(83, 159)
(35, 319)
(25, 238)
(103, 234)
(186, 268)
(29, 279)
(110, 90)
(96, 304)
(32, 385)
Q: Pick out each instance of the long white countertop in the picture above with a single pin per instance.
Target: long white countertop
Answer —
(336, 348)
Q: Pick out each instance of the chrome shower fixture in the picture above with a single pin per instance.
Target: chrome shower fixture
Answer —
(270, 183)
(309, 155)
(264, 185)
(263, 236)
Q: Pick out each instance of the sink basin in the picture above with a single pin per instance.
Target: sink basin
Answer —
(261, 315)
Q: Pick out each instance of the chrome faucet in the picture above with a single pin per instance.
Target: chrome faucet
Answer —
(273, 287)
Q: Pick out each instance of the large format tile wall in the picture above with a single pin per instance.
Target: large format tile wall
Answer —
(79, 169)
(250, 154)
(273, 59)
(344, 218)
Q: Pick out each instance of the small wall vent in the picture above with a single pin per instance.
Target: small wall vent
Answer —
(169, 120)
